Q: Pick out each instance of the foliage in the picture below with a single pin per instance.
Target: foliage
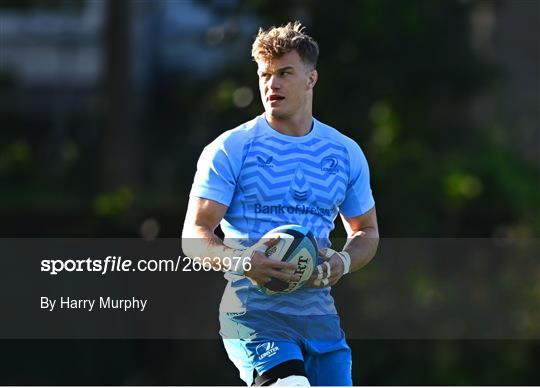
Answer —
(397, 76)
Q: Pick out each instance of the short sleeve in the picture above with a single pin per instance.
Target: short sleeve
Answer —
(358, 198)
(218, 169)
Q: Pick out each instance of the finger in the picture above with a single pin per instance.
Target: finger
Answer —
(264, 280)
(321, 283)
(326, 253)
(284, 276)
(311, 282)
(328, 269)
(334, 278)
(271, 242)
(317, 283)
(324, 257)
(260, 281)
(282, 265)
(319, 275)
(260, 253)
(262, 249)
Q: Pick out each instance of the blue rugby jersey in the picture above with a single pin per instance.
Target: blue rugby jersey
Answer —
(268, 179)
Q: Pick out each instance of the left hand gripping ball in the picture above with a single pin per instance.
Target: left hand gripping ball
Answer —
(296, 245)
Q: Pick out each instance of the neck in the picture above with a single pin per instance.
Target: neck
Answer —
(298, 125)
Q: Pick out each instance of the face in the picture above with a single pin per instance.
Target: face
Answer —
(286, 85)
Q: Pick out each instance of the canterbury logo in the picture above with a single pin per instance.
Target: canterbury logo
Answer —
(265, 163)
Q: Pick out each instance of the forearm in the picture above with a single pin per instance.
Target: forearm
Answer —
(362, 247)
(199, 242)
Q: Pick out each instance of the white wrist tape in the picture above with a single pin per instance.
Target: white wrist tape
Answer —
(329, 253)
(346, 258)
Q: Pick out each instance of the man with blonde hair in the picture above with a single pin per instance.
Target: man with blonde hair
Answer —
(283, 167)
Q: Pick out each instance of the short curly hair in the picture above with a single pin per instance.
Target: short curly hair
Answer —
(277, 41)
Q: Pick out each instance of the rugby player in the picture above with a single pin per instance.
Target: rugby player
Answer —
(283, 167)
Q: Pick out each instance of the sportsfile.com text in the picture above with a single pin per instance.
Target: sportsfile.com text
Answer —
(113, 264)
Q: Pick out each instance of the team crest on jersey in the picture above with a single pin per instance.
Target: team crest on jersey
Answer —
(268, 349)
(265, 163)
(329, 165)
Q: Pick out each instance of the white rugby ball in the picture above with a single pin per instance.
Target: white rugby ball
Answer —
(296, 245)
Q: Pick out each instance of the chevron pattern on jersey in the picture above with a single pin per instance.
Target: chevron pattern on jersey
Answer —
(284, 180)
(285, 183)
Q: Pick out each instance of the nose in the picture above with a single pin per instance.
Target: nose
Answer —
(273, 82)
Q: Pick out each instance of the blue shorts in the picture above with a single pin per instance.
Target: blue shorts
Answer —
(260, 340)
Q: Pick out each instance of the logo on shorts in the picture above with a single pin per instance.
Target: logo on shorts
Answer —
(268, 349)
(330, 165)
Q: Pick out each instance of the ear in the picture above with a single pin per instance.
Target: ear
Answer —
(313, 76)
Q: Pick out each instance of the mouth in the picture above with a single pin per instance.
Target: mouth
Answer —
(275, 97)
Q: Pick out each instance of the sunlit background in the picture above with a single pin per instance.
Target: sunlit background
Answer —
(105, 107)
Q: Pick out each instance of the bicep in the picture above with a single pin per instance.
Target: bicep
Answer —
(363, 222)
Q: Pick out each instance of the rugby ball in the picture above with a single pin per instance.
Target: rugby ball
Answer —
(296, 245)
